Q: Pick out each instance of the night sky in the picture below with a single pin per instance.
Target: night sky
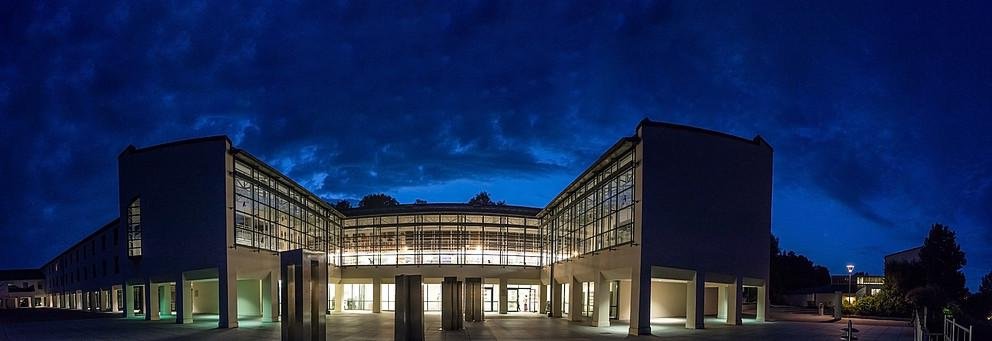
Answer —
(880, 113)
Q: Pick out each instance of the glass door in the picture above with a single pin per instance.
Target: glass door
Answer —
(487, 299)
(512, 304)
(614, 300)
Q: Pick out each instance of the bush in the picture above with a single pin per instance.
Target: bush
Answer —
(885, 303)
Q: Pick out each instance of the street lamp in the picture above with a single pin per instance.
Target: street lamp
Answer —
(850, 273)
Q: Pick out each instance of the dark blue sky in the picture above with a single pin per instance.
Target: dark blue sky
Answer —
(880, 113)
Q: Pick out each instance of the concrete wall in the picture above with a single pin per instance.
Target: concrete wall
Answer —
(249, 297)
(182, 187)
(667, 299)
(706, 200)
(205, 298)
(623, 306)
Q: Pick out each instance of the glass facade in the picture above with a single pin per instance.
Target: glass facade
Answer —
(273, 214)
(440, 238)
(598, 214)
(134, 228)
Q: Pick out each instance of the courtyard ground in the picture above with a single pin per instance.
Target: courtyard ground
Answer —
(48, 324)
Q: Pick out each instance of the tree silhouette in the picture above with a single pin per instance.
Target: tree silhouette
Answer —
(942, 260)
(342, 205)
(483, 199)
(790, 271)
(420, 201)
(377, 200)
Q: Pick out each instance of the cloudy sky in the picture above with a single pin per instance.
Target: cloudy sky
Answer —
(880, 113)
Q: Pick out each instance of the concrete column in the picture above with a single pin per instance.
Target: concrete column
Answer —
(601, 311)
(503, 298)
(575, 300)
(227, 289)
(184, 300)
(91, 299)
(556, 298)
(838, 306)
(640, 300)
(270, 297)
(721, 302)
(735, 302)
(694, 301)
(338, 296)
(473, 299)
(128, 300)
(151, 301)
(542, 300)
(376, 295)
(115, 304)
(762, 305)
(165, 299)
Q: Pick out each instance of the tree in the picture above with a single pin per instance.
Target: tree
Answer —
(942, 260)
(790, 271)
(483, 199)
(420, 201)
(342, 205)
(377, 200)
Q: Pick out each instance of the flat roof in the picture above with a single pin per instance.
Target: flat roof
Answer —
(523, 211)
(20, 274)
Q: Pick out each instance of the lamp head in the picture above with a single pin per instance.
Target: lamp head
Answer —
(850, 268)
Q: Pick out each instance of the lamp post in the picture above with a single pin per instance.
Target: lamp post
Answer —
(850, 273)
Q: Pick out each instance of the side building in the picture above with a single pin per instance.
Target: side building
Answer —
(672, 221)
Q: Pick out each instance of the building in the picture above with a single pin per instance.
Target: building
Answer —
(22, 288)
(672, 221)
(906, 256)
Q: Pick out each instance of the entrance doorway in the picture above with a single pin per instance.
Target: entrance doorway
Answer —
(521, 298)
(614, 300)
(489, 302)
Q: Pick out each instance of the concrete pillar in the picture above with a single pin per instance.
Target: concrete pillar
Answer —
(376, 295)
(640, 300)
(556, 298)
(91, 300)
(503, 297)
(184, 300)
(721, 302)
(165, 299)
(735, 302)
(838, 306)
(128, 300)
(409, 316)
(151, 301)
(542, 299)
(762, 305)
(270, 297)
(227, 290)
(575, 300)
(473, 300)
(338, 297)
(694, 301)
(451, 304)
(115, 304)
(601, 307)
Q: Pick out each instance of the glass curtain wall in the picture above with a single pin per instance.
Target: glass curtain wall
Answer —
(272, 214)
(433, 238)
(597, 215)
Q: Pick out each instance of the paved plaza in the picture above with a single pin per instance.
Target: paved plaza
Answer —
(54, 325)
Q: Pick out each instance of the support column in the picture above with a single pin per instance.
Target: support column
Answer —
(721, 302)
(735, 301)
(503, 297)
(451, 301)
(694, 301)
(270, 297)
(165, 299)
(128, 300)
(542, 300)
(184, 300)
(376, 295)
(409, 316)
(227, 289)
(473, 299)
(115, 304)
(556, 298)
(91, 298)
(575, 300)
(151, 301)
(338, 296)
(640, 300)
(762, 305)
(601, 311)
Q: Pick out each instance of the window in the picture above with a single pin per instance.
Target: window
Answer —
(388, 297)
(134, 228)
(117, 265)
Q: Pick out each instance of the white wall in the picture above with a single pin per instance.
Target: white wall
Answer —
(667, 299)
(205, 298)
(249, 297)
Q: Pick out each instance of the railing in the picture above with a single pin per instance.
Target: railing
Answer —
(920, 328)
(955, 332)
